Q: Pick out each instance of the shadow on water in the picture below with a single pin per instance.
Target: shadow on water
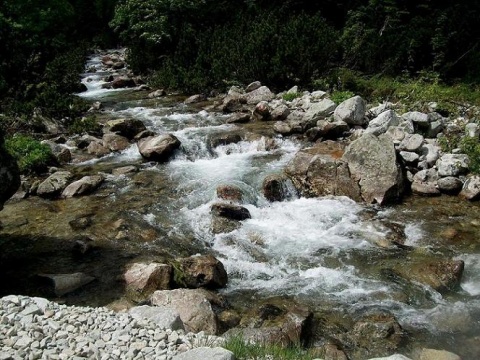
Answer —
(23, 257)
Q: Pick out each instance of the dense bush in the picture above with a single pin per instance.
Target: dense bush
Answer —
(200, 44)
(31, 155)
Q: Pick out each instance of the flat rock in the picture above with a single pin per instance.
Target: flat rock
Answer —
(67, 283)
(84, 186)
(204, 353)
(262, 93)
(431, 354)
(163, 317)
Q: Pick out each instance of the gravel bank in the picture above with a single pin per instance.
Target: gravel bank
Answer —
(35, 328)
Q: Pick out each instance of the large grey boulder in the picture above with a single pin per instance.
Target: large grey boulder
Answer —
(54, 184)
(9, 174)
(425, 183)
(352, 111)
(452, 164)
(382, 122)
(319, 171)
(318, 110)
(85, 185)
(194, 306)
(420, 119)
(262, 93)
(412, 142)
(158, 148)
(204, 353)
(372, 162)
(163, 317)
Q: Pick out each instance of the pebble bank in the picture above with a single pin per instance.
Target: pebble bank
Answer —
(35, 328)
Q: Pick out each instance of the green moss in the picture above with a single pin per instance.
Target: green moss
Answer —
(471, 147)
(289, 96)
(31, 155)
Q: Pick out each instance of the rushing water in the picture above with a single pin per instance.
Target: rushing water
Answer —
(323, 252)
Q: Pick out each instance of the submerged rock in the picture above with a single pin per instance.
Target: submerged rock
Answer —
(229, 192)
(230, 211)
(85, 185)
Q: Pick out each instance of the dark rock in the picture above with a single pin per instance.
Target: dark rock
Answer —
(230, 211)
(144, 134)
(124, 170)
(274, 187)
(125, 127)
(215, 140)
(200, 271)
(80, 223)
(83, 246)
(9, 174)
(123, 82)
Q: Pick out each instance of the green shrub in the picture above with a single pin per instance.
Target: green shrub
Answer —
(291, 96)
(471, 147)
(31, 155)
(83, 125)
(244, 350)
(340, 96)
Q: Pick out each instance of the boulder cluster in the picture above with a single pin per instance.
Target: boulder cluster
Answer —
(378, 154)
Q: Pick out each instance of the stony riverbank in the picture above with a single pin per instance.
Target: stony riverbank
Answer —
(35, 328)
